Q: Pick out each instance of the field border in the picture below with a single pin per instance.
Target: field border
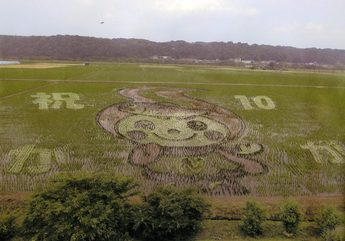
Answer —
(181, 83)
(26, 91)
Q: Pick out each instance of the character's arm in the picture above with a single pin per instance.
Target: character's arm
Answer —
(143, 155)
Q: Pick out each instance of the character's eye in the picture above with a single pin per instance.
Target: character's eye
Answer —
(213, 135)
(197, 125)
(144, 124)
(137, 135)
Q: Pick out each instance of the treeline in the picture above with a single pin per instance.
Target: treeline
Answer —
(85, 208)
(66, 47)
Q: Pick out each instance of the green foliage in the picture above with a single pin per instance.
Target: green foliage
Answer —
(253, 217)
(169, 214)
(291, 216)
(7, 227)
(328, 235)
(327, 220)
(82, 208)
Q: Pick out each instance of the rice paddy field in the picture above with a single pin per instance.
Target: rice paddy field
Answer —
(224, 131)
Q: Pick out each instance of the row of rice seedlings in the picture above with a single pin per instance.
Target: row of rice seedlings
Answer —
(275, 159)
(126, 169)
(210, 165)
(272, 184)
(254, 131)
(111, 155)
(61, 155)
(300, 166)
(23, 182)
(227, 186)
(19, 157)
(35, 164)
(41, 164)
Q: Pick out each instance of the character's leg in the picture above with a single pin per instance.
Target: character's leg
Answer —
(249, 166)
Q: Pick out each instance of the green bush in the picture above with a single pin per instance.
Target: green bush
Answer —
(328, 235)
(78, 209)
(169, 214)
(327, 220)
(291, 216)
(253, 217)
(7, 227)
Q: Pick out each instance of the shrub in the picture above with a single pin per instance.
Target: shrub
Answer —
(7, 227)
(253, 217)
(327, 220)
(169, 214)
(84, 208)
(328, 235)
(291, 216)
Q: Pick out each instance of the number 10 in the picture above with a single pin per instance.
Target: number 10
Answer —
(262, 102)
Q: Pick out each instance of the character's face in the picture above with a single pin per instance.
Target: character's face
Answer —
(172, 132)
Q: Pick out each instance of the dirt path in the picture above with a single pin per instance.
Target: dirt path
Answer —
(185, 83)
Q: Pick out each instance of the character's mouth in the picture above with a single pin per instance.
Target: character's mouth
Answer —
(175, 138)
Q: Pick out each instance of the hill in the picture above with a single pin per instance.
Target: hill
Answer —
(67, 47)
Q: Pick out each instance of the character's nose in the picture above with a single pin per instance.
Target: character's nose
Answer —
(173, 131)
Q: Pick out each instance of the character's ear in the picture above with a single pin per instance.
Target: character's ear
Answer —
(249, 166)
(143, 155)
(108, 117)
(234, 123)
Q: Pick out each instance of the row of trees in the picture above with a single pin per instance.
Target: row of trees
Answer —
(291, 217)
(108, 209)
(65, 47)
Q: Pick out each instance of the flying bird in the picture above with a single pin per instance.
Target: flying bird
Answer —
(102, 22)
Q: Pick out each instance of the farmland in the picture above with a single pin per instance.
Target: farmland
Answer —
(37, 65)
(287, 129)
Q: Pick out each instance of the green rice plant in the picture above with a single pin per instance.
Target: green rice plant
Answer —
(42, 164)
(303, 113)
(19, 156)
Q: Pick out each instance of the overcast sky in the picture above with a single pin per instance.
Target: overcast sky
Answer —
(299, 23)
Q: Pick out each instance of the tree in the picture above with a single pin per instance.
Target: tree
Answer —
(327, 220)
(291, 217)
(169, 214)
(82, 208)
(331, 236)
(253, 217)
(7, 227)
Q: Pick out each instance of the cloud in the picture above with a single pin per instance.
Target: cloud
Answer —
(314, 28)
(279, 22)
(193, 6)
(310, 34)
(310, 28)
(85, 2)
(284, 29)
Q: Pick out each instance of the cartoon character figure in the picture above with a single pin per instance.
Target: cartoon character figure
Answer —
(159, 130)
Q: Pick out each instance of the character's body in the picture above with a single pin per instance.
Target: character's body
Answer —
(164, 130)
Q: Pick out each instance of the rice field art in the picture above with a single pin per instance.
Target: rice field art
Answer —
(174, 144)
(221, 131)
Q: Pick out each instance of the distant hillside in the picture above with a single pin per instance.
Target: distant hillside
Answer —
(66, 47)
